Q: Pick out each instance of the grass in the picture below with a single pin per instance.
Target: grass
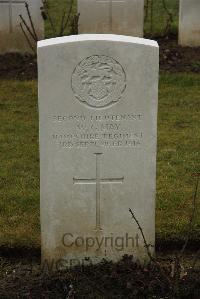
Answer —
(19, 171)
(160, 17)
(159, 21)
(56, 9)
(178, 157)
(178, 153)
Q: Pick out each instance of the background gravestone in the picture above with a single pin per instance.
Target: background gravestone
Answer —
(189, 23)
(124, 17)
(98, 124)
(12, 38)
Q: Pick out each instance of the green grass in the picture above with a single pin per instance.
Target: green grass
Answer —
(178, 153)
(56, 10)
(160, 17)
(159, 20)
(178, 157)
(19, 170)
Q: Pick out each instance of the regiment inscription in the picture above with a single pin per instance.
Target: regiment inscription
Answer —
(98, 130)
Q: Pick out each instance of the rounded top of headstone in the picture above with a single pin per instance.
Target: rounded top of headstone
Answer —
(97, 37)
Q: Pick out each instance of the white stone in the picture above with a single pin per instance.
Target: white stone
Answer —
(189, 23)
(124, 17)
(12, 38)
(98, 132)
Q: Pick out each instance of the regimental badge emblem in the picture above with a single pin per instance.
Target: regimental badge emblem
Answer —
(99, 81)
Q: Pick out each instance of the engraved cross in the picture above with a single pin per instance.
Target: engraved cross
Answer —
(10, 3)
(110, 9)
(98, 181)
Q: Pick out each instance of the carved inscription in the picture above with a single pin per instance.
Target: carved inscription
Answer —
(110, 2)
(10, 3)
(98, 180)
(109, 130)
(98, 81)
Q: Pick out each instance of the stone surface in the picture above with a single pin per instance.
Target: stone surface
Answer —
(189, 23)
(98, 123)
(111, 16)
(11, 36)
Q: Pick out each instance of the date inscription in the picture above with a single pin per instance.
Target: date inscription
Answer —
(108, 130)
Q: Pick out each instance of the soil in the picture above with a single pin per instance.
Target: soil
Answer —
(173, 58)
(24, 278)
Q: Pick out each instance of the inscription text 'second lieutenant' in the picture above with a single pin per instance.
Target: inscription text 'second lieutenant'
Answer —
(98, 81)
(98, 118)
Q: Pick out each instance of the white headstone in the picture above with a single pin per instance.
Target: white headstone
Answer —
(111, 16)
(12, 38)
(98, 124)
(189, 23)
